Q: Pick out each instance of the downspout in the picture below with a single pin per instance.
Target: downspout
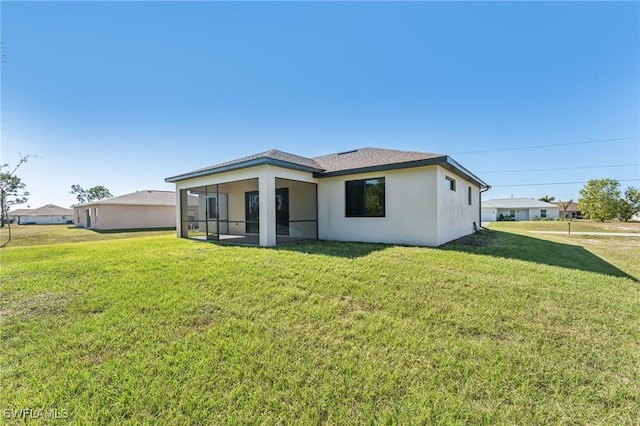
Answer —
(480, 207)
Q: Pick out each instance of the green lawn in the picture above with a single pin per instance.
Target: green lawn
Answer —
(497, 328)
(28, 235)
(562, 225)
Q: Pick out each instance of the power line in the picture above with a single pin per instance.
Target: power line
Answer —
(561, 168)
(547, 146)
(556, 183)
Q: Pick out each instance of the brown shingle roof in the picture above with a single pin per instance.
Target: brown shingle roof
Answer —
(369, 157)
(355, 161)
(272, 154)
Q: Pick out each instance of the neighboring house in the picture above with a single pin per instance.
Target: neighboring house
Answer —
(366, 195)
(16, 215)
(49, 214)
(138, 210)
(518, 209)
(572, 211)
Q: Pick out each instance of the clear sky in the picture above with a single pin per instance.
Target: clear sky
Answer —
(126, 94)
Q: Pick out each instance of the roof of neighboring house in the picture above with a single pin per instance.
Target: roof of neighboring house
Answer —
(349, 162)
(48, 210)
(572, 207)
(517, 203)
(141, 198)
(19, 212)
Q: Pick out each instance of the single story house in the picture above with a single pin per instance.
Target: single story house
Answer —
(138, 210)
(365, 195)
(571, 212)
(518, 209)
(49, 214)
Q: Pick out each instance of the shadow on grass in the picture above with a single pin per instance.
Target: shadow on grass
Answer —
(333, 248)
(530, 249)
(122, 231)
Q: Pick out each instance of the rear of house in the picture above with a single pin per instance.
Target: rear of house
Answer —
(366, 195)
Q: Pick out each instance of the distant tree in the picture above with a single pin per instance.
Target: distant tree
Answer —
(89, 195)
(630, 204)
(600, 199)
(547, 199)
(11, 192)
(564, 205)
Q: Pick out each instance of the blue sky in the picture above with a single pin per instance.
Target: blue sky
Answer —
(126, 94)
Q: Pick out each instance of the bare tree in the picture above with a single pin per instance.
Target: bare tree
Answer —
(11, 192)
(564, 205)
(89, 195)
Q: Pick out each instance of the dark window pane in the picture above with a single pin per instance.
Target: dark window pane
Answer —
(365, 197)
(355, 198)
(375, 197)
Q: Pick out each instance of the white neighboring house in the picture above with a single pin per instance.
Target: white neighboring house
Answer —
(49, 214)
(518, 209)
(147, 209)
(365, 195)
(16, 215)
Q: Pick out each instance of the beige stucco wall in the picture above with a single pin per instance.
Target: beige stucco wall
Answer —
(115, 216)
(455, 215)
(410, 212)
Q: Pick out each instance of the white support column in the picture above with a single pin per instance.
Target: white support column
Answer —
(267, 188)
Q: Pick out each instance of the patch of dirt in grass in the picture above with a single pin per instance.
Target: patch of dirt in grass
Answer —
(353, 307)
(202, 316)
(34, 305)
(482, 238)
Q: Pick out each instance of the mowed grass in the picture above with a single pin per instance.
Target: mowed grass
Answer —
(563, 226)
(28, 235)
(497, 328)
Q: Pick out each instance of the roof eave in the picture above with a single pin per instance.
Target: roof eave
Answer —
(242, 165)
(381, 167)
(457, 168)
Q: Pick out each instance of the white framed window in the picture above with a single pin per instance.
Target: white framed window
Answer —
(543, 213)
